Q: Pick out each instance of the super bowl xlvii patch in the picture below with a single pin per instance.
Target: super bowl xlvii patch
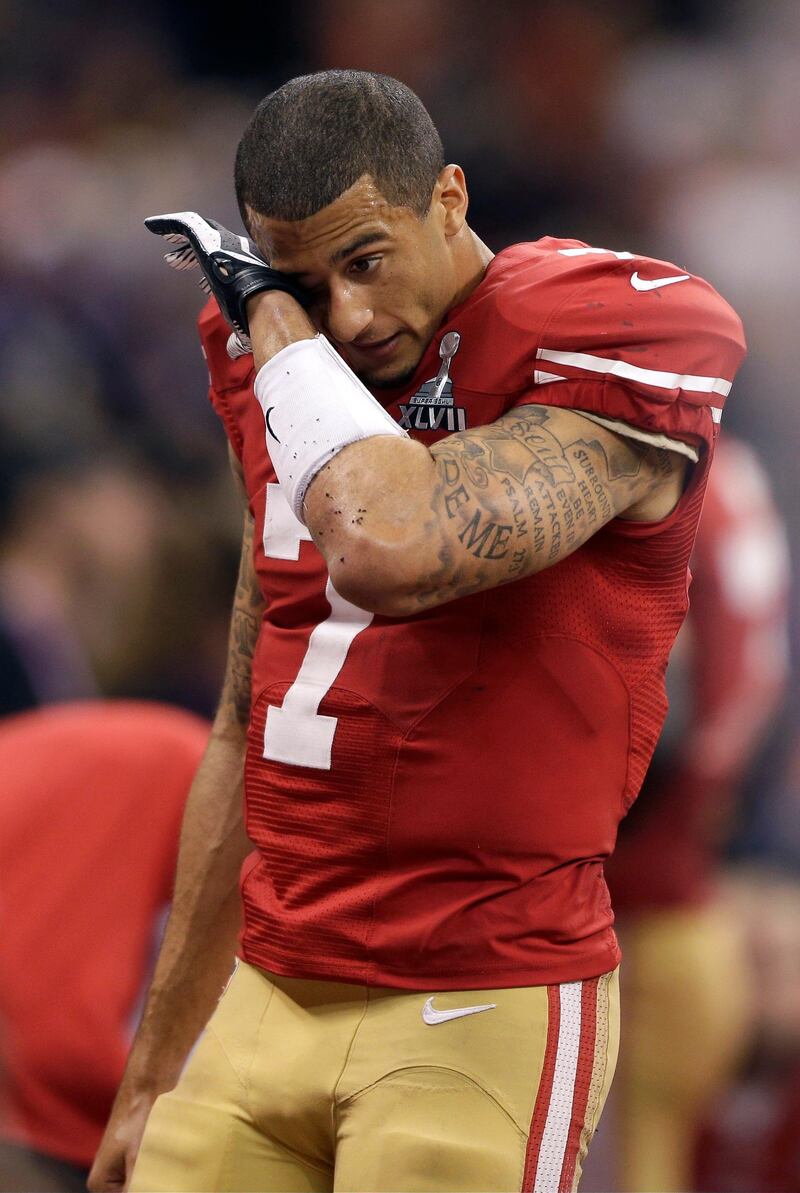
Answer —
(432, 407)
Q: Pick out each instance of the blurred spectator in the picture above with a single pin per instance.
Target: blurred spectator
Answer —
(90, 809)
(77, 556)
(109, 581)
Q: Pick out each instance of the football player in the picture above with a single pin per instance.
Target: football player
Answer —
(472, 484)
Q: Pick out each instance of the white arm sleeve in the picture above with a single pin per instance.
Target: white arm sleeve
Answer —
(314, 405)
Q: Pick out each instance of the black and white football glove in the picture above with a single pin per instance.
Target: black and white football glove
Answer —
(233, 269)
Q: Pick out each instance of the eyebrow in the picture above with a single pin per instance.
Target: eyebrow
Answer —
(359, 243)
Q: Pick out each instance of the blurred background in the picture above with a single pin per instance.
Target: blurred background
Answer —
(669, 128)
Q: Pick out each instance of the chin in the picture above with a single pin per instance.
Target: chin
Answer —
(387, 381)
(392, 376)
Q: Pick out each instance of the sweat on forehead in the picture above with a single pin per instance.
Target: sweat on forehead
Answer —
(358, 218)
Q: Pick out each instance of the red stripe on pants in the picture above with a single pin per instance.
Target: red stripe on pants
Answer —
(545, 1089)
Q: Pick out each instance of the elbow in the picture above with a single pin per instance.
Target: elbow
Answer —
(377, 580)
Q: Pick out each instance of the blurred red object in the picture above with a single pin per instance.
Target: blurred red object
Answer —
(90, 809)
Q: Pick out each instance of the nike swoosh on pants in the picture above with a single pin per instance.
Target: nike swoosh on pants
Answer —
(432, 1016)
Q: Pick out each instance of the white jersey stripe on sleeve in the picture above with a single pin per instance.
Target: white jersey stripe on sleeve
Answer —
(559, 1112)
(621, 368)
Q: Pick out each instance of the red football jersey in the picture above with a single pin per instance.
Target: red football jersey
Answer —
(432, 799)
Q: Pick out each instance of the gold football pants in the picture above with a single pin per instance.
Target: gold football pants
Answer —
(321, 1086)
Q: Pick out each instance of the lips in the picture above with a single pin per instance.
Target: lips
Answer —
(380, 350)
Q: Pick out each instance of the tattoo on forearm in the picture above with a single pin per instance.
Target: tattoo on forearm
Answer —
(248, 607)
(555, 492)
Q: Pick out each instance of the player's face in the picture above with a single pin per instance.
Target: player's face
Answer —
(380, 278)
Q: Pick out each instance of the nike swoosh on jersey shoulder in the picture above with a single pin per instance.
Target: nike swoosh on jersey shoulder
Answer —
(643, 284)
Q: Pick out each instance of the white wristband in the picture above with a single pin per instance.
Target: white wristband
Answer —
(314, 405)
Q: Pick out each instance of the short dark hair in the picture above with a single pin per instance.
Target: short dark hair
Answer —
(314, 137)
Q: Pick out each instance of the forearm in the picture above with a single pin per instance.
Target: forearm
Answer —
(276, 321)
(200, 938)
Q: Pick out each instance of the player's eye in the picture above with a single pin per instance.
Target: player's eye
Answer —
(364, 265)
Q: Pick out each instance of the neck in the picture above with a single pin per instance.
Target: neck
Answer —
(475, 258)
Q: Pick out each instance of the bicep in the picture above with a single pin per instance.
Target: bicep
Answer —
(521, 494)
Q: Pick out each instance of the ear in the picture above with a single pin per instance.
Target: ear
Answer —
(451, 194)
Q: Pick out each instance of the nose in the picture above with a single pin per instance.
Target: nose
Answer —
(349, 312)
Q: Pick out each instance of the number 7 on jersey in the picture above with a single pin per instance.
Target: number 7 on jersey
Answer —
(297, 733)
